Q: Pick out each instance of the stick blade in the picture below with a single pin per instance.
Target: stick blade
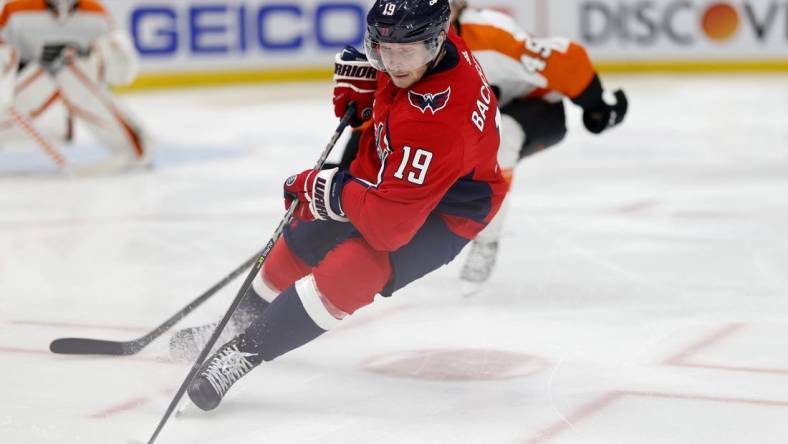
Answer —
(86, 346)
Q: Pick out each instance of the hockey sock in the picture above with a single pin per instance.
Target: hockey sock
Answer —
(284, 326)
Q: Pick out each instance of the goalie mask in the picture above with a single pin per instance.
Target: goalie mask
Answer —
(62, 8)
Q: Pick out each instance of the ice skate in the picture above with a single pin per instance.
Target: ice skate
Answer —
(480, 262)
(219, 372)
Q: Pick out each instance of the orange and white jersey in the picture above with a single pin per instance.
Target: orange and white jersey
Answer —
(521, 65)
(29, 26)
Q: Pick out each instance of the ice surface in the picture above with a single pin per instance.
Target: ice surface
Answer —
(640, 296)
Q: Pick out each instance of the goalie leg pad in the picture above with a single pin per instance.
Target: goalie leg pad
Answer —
(91, 102)
(36, 98)
(8, 65)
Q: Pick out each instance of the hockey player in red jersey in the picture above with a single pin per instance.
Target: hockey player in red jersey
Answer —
(425, 182)
(531, 77)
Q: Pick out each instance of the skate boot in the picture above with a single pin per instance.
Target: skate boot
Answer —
(219, 372)
(480, 261)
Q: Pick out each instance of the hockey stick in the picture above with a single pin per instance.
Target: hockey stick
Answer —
(88, 346)
(248, 281)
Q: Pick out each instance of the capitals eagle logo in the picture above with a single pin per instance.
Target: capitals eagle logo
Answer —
(432, 101)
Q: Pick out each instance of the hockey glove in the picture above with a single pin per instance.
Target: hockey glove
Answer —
(354, 81)
(318, 193)
(599, 115)
(54, 57)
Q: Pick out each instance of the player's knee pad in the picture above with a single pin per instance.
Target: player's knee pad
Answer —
(280, 270)
(544, 123)
(351, 274)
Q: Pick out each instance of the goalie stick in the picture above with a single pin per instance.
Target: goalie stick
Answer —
(349, 113)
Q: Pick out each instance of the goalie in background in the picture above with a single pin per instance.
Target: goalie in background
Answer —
(58, 59)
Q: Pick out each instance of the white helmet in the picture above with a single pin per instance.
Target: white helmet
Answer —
(62, 8)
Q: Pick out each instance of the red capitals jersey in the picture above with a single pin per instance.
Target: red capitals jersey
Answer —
(431, 148)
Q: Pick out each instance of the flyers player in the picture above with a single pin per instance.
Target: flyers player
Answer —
(57, 59)
(531, 76)
(424, 183)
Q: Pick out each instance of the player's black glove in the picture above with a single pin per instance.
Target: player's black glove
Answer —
(599, 115)
(55, 56)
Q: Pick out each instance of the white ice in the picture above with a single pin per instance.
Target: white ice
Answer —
(641, 294)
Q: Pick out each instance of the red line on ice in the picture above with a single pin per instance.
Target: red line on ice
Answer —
(608, 398)
(681, 359)
(125, 406)
(28, 351)
(705, 342)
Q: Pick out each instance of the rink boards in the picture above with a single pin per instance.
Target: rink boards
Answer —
(183, 42)
(214, 41)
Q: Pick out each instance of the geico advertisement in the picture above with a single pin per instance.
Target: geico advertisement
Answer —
(203, 34)
(188, 35)
(678, 28)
